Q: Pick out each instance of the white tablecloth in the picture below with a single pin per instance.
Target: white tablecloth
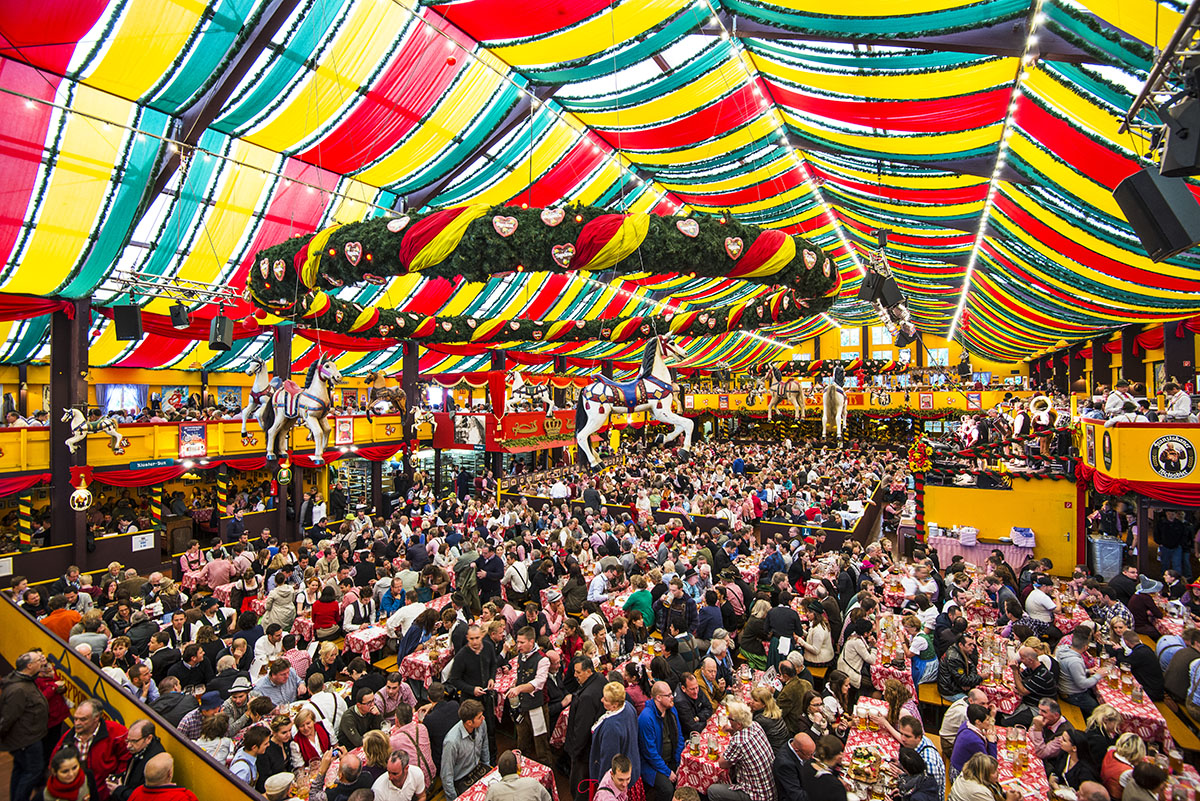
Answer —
(948, 547)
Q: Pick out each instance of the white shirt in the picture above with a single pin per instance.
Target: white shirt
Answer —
(1179, 406)
(414, 786)
(1116, 399)
(1040, 606)
(400, 621)
(264, 652)
(329, 707)
(516, 577)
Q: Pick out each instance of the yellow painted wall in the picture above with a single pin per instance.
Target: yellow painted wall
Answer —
(831, 348)
(1047, 507)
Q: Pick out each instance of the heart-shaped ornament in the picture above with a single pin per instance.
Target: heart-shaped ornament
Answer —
(471, 322)
(279, 268)
(338, 315)
(827, 268)
(353, 251)
(397, 225)
(264, 267)
(579, 323)
(537, 335)
(329, 279)
(514, 325)
(733, 246)
(447, 325)
(688, 227)
(810, 259)
(553, 217)
(384, 330)
(562, 255)
(703, 317)
(505, 226)
(372, 278)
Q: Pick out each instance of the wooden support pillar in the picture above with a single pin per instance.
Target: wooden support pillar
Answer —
(606, 368)
(816, 349)
(377, 501)
(23, 390)
(864, 339)
(560, 400)
(410, 372)
(294, 531)
(437, 472)
(1060, 371)
(281, 368)
(68, 389)
(1179, 352)
(1133, 365)
(1074, 366)
(1101, 364)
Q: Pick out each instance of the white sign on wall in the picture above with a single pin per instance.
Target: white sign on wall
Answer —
(143, 542)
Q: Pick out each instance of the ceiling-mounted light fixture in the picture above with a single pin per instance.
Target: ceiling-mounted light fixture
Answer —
(180, 319)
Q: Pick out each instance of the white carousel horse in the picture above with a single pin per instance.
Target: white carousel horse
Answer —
(259, 397)
(834, 407)
(533, 394)
(422, 415)
(652, 391)
(81, 427)
(779, 388)
(291, 403)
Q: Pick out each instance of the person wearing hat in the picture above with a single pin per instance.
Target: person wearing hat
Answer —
(237, 697)
(210, 705)
(1144, 607)
(279, 786)
(1118, 398)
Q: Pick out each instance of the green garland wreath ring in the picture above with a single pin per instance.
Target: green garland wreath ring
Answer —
(292, 279)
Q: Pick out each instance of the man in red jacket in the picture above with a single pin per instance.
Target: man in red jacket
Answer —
(160, 786)
(101, 743)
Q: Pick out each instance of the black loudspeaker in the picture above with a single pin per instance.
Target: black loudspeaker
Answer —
(220, 333)
(1181, 156)
(128, 321)
(877, 288)
(1162, 211)
(179, 316)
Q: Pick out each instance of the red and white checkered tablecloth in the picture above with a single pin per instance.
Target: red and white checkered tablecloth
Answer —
(558, 737)
(615, 606)
(303, 627)
(1034, 780)
(1001, 694)
(893, 598)
(367, 639)
(191, 579)
(525, 767)
(506, 676)
(882, 671)
(1170, 625)
(1142, 719)
(223, 594)
(418, 666)
(701, 771)
(1068, 623)
(438, 603)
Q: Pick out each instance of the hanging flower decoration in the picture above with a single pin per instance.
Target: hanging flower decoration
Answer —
(919, 457)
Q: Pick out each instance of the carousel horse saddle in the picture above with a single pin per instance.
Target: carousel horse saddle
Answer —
(292, 388)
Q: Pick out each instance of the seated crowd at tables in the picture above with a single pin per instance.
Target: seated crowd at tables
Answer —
(616, 641)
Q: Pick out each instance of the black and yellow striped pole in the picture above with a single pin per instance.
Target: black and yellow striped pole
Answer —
(156, 506)
(25, 521)
(223, 489)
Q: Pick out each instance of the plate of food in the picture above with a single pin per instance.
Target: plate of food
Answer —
(864, 764)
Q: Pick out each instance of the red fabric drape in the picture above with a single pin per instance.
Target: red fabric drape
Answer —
(138, 478)
(1149, 340)
(1084, 353)
(18, 484)
(372, 453)
(23, 307)
(1192, 324)
(1114, 346)
(345, 341)
(1182, 494)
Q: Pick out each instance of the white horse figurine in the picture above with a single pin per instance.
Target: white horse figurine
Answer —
(81, 427)
(652, 391)
(779, 388)
(422, 415)
(311, 404)
(259, 397)
(834, 407)
(533, 394)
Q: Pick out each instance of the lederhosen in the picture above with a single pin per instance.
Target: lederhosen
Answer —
(526, 673)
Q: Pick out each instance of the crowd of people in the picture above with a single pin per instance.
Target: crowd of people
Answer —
(563, 605)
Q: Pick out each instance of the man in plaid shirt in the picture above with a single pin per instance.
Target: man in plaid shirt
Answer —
(748, 760)
(1109, 608)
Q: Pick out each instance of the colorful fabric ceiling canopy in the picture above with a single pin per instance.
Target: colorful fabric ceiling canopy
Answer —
(178, 140)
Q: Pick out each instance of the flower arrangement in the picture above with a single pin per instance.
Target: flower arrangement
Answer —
(918, 457)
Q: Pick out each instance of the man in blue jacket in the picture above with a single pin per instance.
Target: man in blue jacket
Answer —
(660, 743)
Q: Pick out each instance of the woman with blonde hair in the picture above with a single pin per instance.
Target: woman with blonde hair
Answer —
(768, 715)
(1101, 731)
(1116, 770)
(376, 749)
(921, 650)
(980, 781)
(755, 635)
(313, 740)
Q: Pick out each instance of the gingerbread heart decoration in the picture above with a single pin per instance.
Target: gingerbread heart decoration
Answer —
(471, 322)
(372, 278)
(733, 246)
(329, 279)
(538, 334)
(384, 330)
(810, 259)
(514, 325)
(264, 267)
(689, 227)
(397, 225)
(353, 251)
(562, 255)
(827, 268)
(338, 315)
(447, 325)
(505, 226)
(553, 217)
(279, 268)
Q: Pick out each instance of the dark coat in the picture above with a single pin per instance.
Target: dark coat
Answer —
(24, 712)
(135, 773)
(693, 715)
(173, 706)
(788, 770)
(586, 708)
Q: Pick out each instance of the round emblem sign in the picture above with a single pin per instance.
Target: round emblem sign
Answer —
(1172, 456)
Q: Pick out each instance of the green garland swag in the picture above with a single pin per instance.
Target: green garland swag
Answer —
(507, 239)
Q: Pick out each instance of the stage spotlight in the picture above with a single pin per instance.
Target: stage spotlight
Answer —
(180, 318)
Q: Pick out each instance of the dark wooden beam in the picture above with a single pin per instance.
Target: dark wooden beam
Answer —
(68, 389)
(1133, 366)
(410, 372)
(1179, 352)
(1101, 364)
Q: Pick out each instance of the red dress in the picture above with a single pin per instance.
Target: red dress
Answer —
(326, 615)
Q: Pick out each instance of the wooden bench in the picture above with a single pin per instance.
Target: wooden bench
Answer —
(1181, 732)
(1073, 714)
(928, 694)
